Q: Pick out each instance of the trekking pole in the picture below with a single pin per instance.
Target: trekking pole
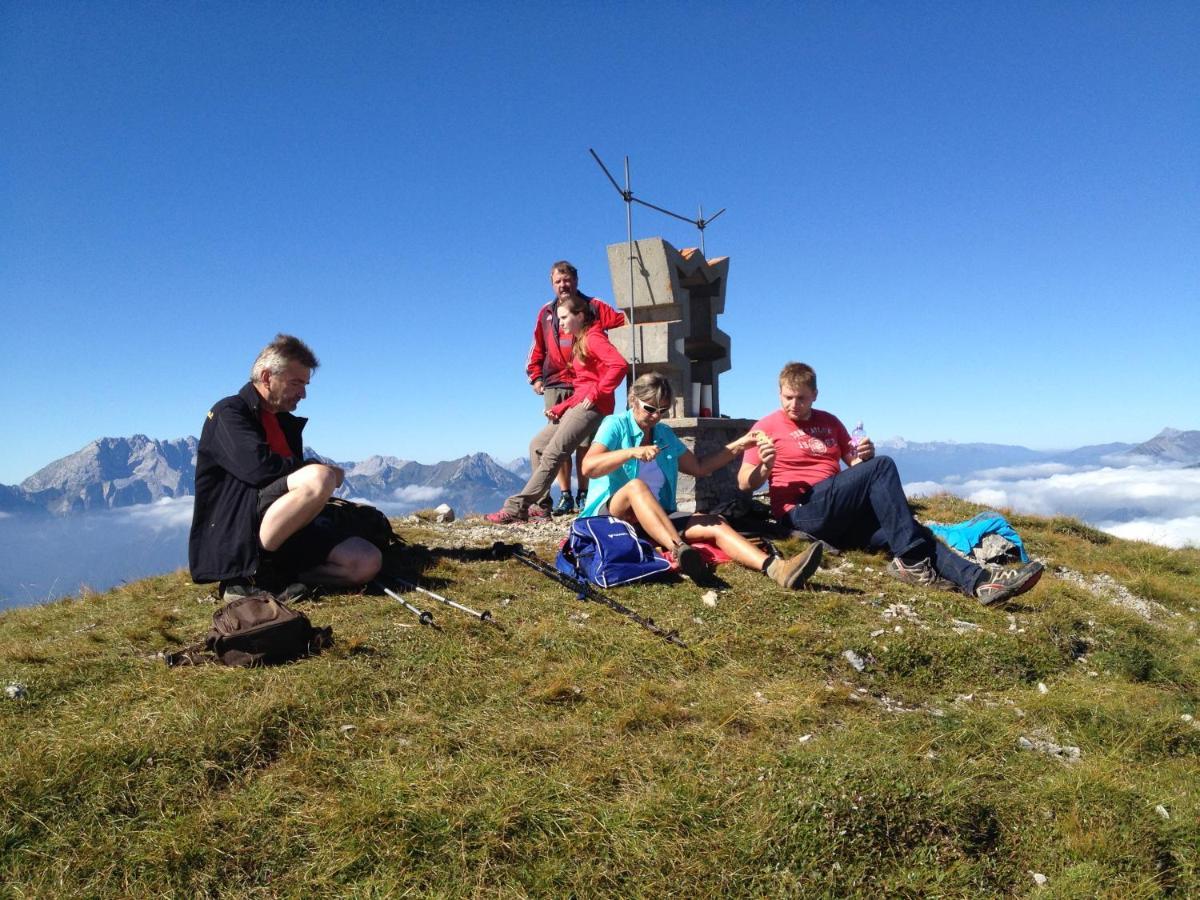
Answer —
(425, 617)
(583, 590)
(484, 616)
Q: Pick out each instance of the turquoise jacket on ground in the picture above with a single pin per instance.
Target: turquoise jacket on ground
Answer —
(620, 432)
(966, 536)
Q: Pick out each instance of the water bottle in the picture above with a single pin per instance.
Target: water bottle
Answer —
(856, 437)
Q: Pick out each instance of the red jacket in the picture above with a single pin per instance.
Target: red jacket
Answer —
(598, 376)
(546, 358)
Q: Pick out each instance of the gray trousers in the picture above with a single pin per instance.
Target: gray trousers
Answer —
(549, 447)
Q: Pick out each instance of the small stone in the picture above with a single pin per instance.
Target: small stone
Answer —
(16, 691)
(709, 598)
(348, 730)
(697, 620)
(1162, 811)
(758, 695)
(857, 662)
(877, 632)
(804, 739)
(445, 512)
(1042, 689)
(1065, 753)
(1039, 879)
(1188, 717)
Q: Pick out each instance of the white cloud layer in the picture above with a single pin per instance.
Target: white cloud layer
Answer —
(1141, 502)
(415, 493)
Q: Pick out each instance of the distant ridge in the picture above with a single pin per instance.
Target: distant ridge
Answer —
(110, 473)
(1171, 445)
(117, 472)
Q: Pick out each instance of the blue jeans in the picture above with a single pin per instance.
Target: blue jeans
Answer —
(864, 507)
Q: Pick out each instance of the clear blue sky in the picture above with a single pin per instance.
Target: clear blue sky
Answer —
(978, 221)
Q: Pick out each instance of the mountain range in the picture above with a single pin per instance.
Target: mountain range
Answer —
(117, 472)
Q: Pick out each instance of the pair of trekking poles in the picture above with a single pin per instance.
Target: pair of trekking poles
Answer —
(424, 616)
(500, 551)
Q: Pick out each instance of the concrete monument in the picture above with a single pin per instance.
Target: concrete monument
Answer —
(675, 299)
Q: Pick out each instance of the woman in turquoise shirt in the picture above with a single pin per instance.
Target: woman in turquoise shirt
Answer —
(634, 465)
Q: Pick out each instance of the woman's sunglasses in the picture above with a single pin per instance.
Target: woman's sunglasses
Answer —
(657, 410)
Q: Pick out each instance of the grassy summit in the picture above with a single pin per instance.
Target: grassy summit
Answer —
(576, 754)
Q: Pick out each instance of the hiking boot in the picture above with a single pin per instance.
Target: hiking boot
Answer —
(565, 505)
(999, 585)
(538, 512)
(920, 573)
(793, 573)
(690, 562)
(504, 518)
(234, 588)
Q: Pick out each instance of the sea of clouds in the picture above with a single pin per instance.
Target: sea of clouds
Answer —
(44, 558)
(1144, 502)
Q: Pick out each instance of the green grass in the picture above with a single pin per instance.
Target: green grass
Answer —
(578, 755)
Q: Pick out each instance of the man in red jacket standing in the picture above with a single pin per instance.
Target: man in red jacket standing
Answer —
(552, 376)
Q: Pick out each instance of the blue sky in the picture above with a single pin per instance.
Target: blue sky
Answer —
(978, 221)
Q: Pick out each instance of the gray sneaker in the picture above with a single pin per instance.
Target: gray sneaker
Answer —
(999, 585)
(234, 588)
(920, 573)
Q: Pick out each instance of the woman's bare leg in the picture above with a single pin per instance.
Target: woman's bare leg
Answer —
(721, 533)
(635, 504)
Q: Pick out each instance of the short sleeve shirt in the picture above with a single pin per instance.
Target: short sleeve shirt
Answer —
(806, 453)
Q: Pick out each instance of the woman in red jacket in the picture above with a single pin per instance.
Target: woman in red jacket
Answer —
(599, 370)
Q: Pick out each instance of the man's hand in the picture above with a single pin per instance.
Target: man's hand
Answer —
(551, 415)
(866, 450)
(644, 452)
(539, 387)
(766, 451)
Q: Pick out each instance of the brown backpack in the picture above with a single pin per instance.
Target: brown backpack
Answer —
(256, 630)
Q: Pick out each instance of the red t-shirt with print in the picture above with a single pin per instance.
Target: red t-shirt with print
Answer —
(806, 453)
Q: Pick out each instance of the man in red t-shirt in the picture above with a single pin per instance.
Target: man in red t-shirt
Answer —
(551, 375)
(800, 454)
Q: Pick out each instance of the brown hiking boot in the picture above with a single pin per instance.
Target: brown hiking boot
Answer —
(793, 573)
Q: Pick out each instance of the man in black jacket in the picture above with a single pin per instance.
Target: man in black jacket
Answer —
(257, 518)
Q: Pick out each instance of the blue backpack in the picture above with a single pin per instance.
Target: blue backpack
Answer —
(607, 551)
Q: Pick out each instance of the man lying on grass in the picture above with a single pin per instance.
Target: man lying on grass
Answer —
(860, 506)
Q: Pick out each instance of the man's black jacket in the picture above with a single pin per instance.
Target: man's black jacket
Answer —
(233, 461)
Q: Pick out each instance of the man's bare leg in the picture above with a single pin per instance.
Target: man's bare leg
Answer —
(353, 562)
(308, 489)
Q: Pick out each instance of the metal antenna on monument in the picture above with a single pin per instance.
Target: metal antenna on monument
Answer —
(627, 196)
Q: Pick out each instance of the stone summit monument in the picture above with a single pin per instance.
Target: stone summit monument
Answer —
(675, 300)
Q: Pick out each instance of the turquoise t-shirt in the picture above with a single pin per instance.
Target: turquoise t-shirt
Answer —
(620, 432)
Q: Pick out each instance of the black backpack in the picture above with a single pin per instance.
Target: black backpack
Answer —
(256, 630)
(360, 520)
